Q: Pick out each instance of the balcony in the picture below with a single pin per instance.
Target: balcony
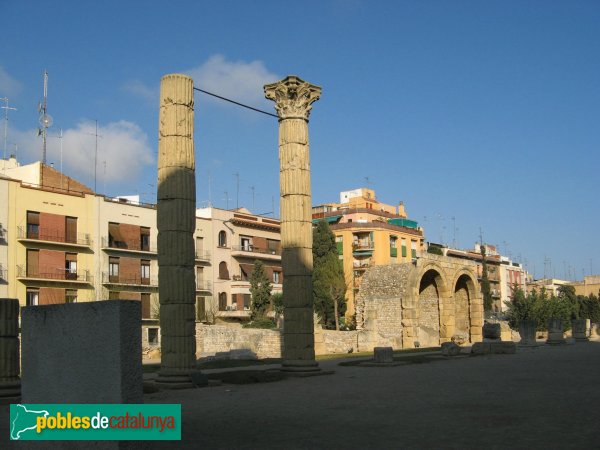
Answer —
(137, 246)
(58, 275)
(250, 251)
(54, 237)
(202, 256)
(361, 265)
(363, 247)
(203, 286)
(128, 280)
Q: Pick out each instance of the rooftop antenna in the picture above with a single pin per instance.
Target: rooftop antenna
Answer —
(368, 182)
(227, 200)
(6, 108)
(252, 189)
(209, 191)
(45, 118)
(453, 232)
(95, 154)
(237, 192)
(104, 178)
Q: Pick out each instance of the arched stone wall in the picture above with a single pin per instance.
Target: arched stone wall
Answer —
(419, 301)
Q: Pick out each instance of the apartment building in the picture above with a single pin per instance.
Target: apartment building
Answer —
(239, 239)
(64, 244)
(369, 232)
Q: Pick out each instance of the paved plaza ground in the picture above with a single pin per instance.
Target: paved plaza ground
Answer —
(546, 398)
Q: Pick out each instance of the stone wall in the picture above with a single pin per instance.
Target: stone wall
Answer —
(212, 339)
(423, 303)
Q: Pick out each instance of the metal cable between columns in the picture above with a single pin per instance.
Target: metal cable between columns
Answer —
(236, 103)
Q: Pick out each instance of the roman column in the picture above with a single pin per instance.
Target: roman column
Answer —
(293, 98)
(176, 212)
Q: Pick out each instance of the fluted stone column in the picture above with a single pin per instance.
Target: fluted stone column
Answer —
(176, 223)
(10, 383)
(293, 98)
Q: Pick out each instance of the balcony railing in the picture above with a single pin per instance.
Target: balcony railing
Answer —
(130, 280)
(132, 246)
(254, 249)
(3, 275)
(363, 245)
(57, 274)
(202, 255)
(57, 236)
(361, 264)
(204, 285)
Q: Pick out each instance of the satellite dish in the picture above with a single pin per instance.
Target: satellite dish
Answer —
(46, 120)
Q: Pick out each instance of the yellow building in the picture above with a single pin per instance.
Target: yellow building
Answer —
(589, 285)
(367, 233)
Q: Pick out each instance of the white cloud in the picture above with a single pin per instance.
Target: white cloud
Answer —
(123, 145)
(139, 89)
(8, 85)
(238, 80)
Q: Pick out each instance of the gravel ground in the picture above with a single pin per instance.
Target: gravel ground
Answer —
(546, 398)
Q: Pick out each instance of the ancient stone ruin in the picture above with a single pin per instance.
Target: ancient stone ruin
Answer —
(421, 304)
(176, 212)
(293, 98)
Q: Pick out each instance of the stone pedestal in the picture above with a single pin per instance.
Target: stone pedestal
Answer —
(555, 332)
(580, 333)
(293, 98)
(450, 349)
(527, 331)
(176, 216)
(383, 355)
(10, 383)
(491, 331)
(87, 352)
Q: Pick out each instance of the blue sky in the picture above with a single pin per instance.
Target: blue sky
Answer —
(483, 111)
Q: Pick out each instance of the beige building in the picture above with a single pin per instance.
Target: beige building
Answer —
(589, 285)
(239, 238)
(550, 285)
(68, 244)
(369, 233)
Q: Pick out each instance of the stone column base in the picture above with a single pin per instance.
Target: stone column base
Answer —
(174, 379)
(300, 367)
(10, 387)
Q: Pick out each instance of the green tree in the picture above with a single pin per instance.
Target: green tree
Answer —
(485, 283)
(277, 302)
(260, 288)
(329, 284)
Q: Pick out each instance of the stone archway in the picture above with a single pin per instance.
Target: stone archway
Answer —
(428, 309)
(462, 301)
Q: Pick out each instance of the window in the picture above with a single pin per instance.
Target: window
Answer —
(33, 262)
(199, 247)
(199, 278)
(393, 241)
(222, 301)
(273, 246)
(70, 266)
(33, 225)
(404, 248)
(246, 243)
(113, 269)
(71, 229)
(33, 296)
(145, 271)
(153, 336)
(223, 271)
(145, 298)
(276, 277)
(70, 295)
(200, 309)
(222, 239)
(115, 238)
(413, 249)
(247, 301)
(145, 239)
(339, 243)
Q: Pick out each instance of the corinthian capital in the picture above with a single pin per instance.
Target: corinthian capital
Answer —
(293, 97)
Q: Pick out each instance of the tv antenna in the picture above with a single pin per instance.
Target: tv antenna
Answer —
(95, 154)
(6, 108)
(252, 188)
(45, 118)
